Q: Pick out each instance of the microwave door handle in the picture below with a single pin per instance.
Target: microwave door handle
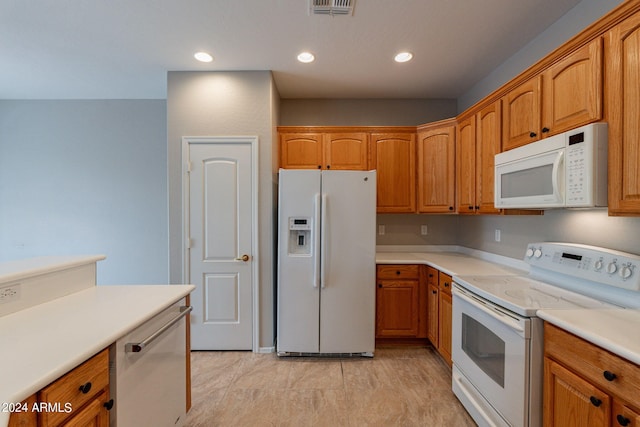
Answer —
(557, 164)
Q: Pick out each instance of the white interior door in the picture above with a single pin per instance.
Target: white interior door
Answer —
(221, 240)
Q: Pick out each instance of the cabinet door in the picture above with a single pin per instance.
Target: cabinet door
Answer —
(466, 165)
(488, 144)
(624, 416)
(93, 414)
(397, 308)
(444, 326)
(433, 314)
(521, 114)
(301, 150)
(346, 151)
(436, 170)
(623, 110)
(572, 90)
(393, 156)
(571, 401)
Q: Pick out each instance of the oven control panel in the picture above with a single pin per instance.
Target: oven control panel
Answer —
(605, 266)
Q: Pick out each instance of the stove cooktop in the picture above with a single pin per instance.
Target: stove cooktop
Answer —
(524, 295)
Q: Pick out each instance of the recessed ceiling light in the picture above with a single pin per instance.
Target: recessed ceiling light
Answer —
(203, 57)
(403, 57)
(306, 57)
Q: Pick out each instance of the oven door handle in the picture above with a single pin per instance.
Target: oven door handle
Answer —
(501, 317)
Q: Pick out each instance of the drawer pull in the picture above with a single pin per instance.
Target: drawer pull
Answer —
(595, 401)
(622, 420)
(446, 284)
(108, 404)
(398, 272)
(609, 376)
(85, 388)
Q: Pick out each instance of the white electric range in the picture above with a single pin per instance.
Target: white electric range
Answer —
(497, 342)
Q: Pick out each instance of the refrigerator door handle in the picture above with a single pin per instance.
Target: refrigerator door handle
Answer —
(316, 241)
(323, 242)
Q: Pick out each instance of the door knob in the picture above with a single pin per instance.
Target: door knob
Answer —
(244, 258)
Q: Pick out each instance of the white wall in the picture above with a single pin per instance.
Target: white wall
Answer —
(573, 22)
(364, 112)
(86, 177)
(225, 104)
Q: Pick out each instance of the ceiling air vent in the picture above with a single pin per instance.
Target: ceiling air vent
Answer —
(332, 7)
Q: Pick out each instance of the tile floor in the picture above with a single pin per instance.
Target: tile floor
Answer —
(398, 387)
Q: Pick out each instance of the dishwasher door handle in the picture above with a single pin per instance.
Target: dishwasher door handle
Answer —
(137, 347)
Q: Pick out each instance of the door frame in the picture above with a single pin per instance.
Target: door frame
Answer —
(186, 241)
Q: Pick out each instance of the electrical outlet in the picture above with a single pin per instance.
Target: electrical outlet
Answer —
(10, 293)
(497, 235)
(424, 230)
(381, 230)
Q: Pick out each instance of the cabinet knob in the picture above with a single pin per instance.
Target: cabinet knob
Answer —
(328, 166)
(532, 134)
(470, 208)
(595, 401)
(622, 420)
(108, 404)
(609, 376)
(85, 388)
(319, 166)
(477, 208)
(545, 130)
(379, 285)
(434, 292)
(398, 272)
(446, 284)
(450, 208)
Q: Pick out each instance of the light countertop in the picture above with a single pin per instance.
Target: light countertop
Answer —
(616, 330)
(42, 343)
(452, 263)
(21, 269)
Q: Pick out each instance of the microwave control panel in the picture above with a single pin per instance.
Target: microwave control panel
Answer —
(585, 165)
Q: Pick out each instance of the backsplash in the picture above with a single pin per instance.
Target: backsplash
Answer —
(590, 227)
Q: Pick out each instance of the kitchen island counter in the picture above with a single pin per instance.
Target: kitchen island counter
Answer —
(43, 342)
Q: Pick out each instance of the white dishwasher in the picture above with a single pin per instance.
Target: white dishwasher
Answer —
(148, 372)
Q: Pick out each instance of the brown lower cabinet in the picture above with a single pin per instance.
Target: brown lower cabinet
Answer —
(78, 398)
(587, 386)
(413, 303)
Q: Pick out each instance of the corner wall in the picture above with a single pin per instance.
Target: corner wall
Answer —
(225, 104)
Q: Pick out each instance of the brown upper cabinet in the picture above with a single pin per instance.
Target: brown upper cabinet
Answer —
(436, 167)
(622, 46)
(566, 95)
(466, 164)
(393, 155)
(318, 150)
(488, 144)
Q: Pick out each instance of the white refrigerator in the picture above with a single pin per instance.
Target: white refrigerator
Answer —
(326, 262)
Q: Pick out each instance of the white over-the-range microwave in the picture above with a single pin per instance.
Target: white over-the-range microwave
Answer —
(568, 170)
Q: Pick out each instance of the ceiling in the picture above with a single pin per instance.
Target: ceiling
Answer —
(122, 49)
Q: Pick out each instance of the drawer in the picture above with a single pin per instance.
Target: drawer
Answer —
(398, 271)
(594, 363)
(67, 389)
(432, 276)
(445, 282)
